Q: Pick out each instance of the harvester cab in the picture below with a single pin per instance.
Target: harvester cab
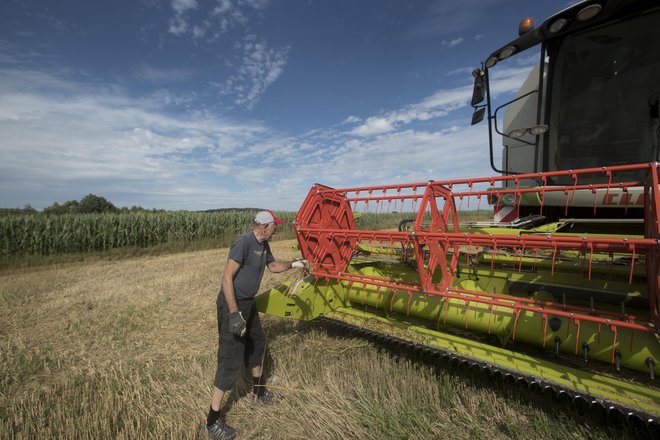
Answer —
(560, 290)
(591, 101)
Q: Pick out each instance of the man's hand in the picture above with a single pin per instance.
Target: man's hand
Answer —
(300, 264)
(237, 324)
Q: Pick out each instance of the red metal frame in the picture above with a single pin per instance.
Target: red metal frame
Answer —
(328, 236)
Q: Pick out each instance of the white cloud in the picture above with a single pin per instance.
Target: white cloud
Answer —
(383, 150)
(213, 18)
(63, 139)
(161, 75)
(178, 26)
(253, 66)
(57, 148)
(460, 71)
(259, 67)
(255, 4)
(436, 105)
(452, 43)
(181, 6)
(374, 125)
(401, 157)
(179, 23)
(222, 7)
(441, 103)
(200, 30)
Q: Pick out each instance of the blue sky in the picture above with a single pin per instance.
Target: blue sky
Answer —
(201, 104)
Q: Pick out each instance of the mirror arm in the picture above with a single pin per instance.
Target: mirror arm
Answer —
(506, 104)
(490, 124)
(493, 120)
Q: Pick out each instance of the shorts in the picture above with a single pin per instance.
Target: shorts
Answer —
(235, 352)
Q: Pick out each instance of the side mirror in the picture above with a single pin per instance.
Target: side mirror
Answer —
(478, 115)
(479, 91)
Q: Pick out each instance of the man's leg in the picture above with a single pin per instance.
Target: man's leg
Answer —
(218, 394)
(230, 354)
(257, 387)
(256, 371)
(216, 399)
(216, 426)
(254, 358)
(255, 345)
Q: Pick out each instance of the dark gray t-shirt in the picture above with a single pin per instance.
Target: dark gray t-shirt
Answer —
(253, 258)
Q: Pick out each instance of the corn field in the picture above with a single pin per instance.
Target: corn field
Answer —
(42, 235)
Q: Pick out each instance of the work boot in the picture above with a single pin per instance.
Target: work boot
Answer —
(221, 431)
(266, 397)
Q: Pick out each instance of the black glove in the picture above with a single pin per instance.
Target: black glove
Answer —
(237, 324)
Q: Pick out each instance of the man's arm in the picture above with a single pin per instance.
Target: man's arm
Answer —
(279, 266)
(228, 284)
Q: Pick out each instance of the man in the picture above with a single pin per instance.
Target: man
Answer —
(242, 340)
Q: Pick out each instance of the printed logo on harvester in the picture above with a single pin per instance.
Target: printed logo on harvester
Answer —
(258, 253)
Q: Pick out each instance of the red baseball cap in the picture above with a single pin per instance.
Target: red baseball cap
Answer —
(265, 217)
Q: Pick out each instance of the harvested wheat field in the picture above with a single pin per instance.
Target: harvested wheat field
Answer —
(126, 349)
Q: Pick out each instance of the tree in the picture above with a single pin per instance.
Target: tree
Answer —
(93, 203)
(70, 207)
(26, 209)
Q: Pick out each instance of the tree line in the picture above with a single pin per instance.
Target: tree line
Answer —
(90, 204)
(93, 204)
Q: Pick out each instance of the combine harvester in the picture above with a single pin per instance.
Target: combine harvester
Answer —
(562, 290)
